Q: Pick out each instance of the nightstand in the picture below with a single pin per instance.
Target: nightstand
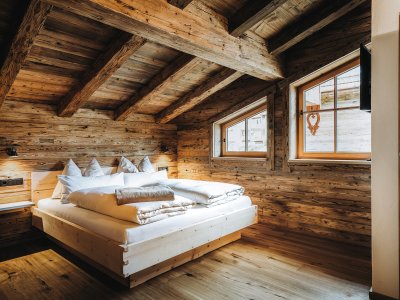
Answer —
(15, 222)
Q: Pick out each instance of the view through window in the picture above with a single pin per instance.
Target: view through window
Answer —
(330, 122)
(247, 134)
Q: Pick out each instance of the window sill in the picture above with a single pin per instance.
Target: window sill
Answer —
(299, 161)
(238, 158)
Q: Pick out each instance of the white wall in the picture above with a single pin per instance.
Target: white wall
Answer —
(385, 147)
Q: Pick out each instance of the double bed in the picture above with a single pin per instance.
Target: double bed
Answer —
(133, 253)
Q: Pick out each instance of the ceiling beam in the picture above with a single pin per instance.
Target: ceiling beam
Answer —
(309, 24)
(8, 37)
(30, 26)
(198, 95)
(180, 3)
(252, 13)
(119, 51)
(165, 78)
(160, 22)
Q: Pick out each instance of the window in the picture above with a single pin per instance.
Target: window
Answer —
(246, 135)
(330, 123)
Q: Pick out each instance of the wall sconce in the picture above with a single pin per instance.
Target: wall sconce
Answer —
(164, 148)
(12, 152)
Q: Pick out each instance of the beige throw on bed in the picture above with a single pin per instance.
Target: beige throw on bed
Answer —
(144, 194)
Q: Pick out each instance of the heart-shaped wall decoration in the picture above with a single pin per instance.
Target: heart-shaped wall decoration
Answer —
(313, 120)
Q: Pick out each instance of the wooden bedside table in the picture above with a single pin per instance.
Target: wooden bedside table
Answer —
(15, 222)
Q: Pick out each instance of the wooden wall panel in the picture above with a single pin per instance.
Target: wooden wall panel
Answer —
(46, 141)
(325, 200)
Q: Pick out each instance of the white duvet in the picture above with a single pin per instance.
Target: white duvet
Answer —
(103, 200)
(207, 193)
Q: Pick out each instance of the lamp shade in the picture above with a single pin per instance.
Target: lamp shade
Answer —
(164, 148)
(12, 152)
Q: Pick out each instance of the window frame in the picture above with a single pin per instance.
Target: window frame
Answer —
(237, 120)
(301, 154)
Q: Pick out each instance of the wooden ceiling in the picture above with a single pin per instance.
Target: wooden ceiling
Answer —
(154, 57)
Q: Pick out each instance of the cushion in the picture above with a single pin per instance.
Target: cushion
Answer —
(126, 166)
(70, 169)
(143, 178)
(75, 183)
(93, 169)
(146, 166)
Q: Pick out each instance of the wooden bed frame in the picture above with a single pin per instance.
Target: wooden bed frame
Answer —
(135, 263)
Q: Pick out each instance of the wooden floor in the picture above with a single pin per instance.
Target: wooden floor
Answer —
(280, 266)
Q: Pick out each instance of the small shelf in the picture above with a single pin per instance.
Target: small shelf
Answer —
(15, 205)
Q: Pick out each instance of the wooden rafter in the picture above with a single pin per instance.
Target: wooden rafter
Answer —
(310, 24)
(31, 24)
(252, 13)
(160, 22)
(180, 3)
(169, 75)
(105, 65)
(198, 95)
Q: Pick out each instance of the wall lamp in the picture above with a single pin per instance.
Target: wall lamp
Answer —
(164, 148)
(12, 152)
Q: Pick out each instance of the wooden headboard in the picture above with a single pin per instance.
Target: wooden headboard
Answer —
(43, 183)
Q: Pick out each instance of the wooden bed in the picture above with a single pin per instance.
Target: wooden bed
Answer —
(135, 263)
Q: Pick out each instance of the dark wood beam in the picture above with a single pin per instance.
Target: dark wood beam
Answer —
(160, 22)
(198, 95)
(105, 65)
(180, 3)
(167, 77)
(252, 13)
(17, 16)
(31, 24)
(311, 23)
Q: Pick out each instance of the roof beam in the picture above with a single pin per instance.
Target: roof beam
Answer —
(30, 26)
(103, 68)
(252, 13)
(169, 75)
(309, 24)
(198, 95)
(160, 22)
(180, 3)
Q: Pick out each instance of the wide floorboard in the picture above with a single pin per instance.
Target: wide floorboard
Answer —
(279, 266)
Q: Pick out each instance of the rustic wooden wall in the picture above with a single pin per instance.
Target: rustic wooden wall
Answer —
(328, 200)
(45, 142)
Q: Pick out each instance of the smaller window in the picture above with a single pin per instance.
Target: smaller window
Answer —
(246, 135)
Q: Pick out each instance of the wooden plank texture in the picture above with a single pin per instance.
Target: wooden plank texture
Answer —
(163, 23)
(325, 200)
(180, 3)
(33, 20)
(252, 13)
(198, 95)
(103, 68)
(310, 24)
(46, 141)
(170, 75)
(281, 266)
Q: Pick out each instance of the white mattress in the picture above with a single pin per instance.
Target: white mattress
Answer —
(126, 232)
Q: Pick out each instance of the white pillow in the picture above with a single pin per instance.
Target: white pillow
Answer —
(142, 178)
(70, 169)
(146, 166)
(75, 183)
(93, 169)
(126, 166)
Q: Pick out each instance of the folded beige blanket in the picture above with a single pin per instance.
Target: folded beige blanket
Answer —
(144, 194)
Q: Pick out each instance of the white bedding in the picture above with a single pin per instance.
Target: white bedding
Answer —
(104, 201)
(126, 232)
(205, 192)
